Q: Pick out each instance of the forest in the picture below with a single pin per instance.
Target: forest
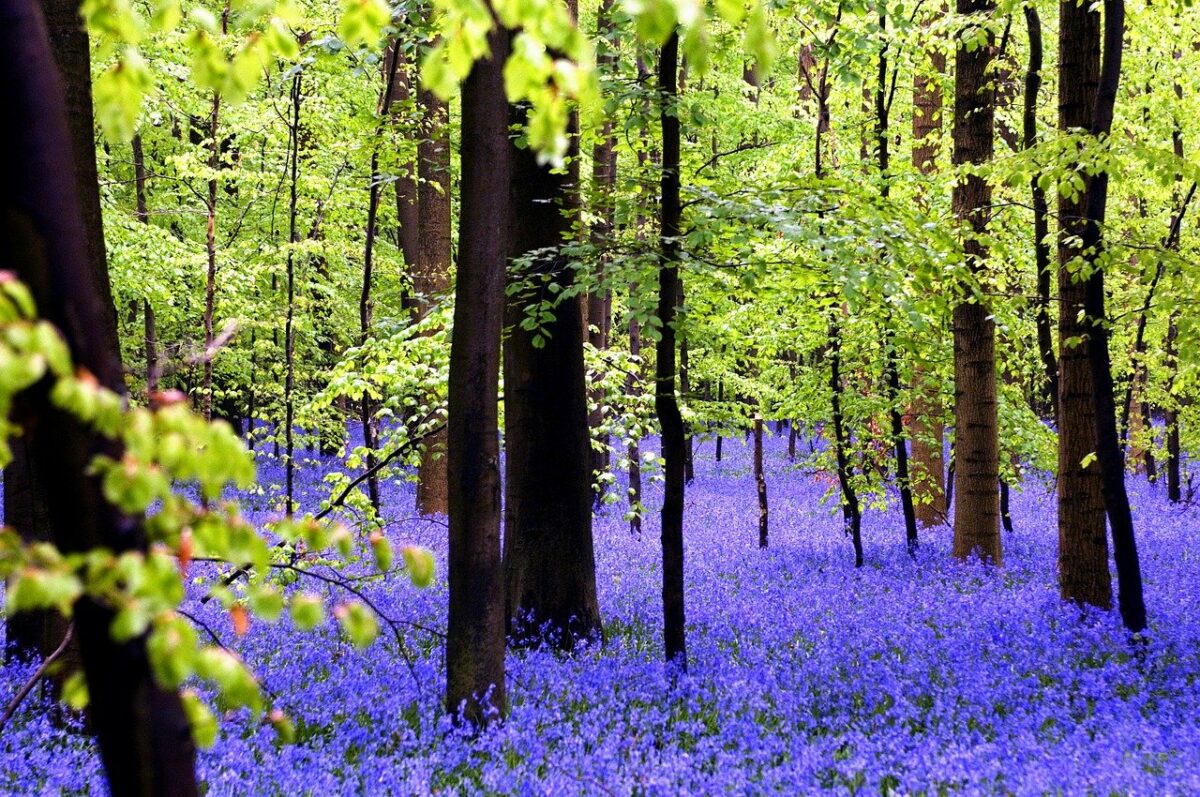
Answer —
(626, 397)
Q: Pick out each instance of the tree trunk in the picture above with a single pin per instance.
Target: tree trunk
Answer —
(144, 737)
(891, 356)
(431, 279)
(1082, 543)
(633, 452)
(760, 480)
(1109, 455)
(549, 562)
(1174, 494)
(475, 626)
(604, 182)
(976, 507)
(1048, 402)
(926, 426)
(666, 403)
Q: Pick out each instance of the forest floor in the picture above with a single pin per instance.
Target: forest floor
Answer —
(906, 676)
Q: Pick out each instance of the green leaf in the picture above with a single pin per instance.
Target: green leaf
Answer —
(358, 623)
(308, 611)
(420, 564)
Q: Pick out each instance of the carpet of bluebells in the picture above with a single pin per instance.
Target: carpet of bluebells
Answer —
(905, 677)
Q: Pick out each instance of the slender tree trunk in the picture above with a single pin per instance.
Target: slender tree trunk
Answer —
(1082, 543)
(289, 324)
(976, 508)
(431, 280)
(666, 404)
(1048, 402)
(891, 356)
(475, 627)
(633, 452)
(604, 182)
(366, 413)
(926, 424)
(549, 561)
(851, 512)
(760, 480)
(143, 735)
(149, 337)
(720, 400)
(1109, 456)
(210, 243)
(1174, 494)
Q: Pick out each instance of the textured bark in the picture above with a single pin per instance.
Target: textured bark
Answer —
(976, 506)
(1109, 455)
(926, 426)
(1082, 543)
(475, 625)
(666, 404)
(604, 182)
(549, 561)
(431, 279)
(144, 738)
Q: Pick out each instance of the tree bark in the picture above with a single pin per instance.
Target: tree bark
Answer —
(666, 403)
(760, 480)
(475, 626)
(431, 280)
(549, 561)
(1048, 401)
(1109, 455)
(604, 183)
(927, 428)
(976, 507)
(144, 737)
(1082, 543)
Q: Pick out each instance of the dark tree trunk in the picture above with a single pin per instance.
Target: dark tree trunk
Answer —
(431, 279)
(851, 512)
(633, 452)
(1108, 445)
(1082, 543)
(1005, 514)
(666, 404)
(1048, 401)
(475, 627)
(549, 561)
(760, 480)
(977, 505)
(891, 356)
(289, 324)
(366, 409)
(1174, 494)
(720, 400)
(144, 737)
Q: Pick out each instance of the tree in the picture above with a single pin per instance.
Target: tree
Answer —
(144, 737)
(431, 278)
(549, 562)
(1082, 544)
(666, 403)
(976, 436)
(475, 628)
(1109, 455)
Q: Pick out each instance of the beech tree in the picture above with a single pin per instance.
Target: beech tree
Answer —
(976, 440)
(144, 736)
(475, 629)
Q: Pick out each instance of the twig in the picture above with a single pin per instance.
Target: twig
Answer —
(15, 703)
